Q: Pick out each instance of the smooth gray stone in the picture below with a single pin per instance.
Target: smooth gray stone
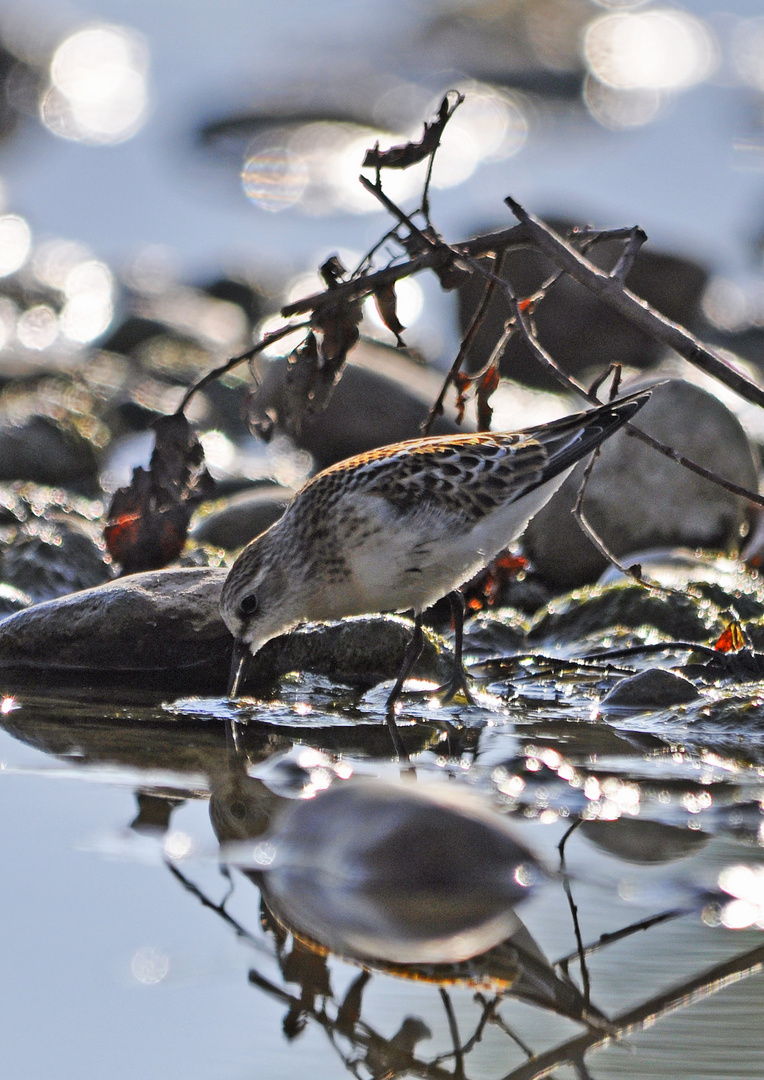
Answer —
(164, 629)
(242, 517)
(43, 451)
(653, 689)
(382, 398)
(638, 499)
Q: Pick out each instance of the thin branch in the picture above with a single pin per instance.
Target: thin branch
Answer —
(618, 935)
(636, 310)
(477, 319)
(265, 341)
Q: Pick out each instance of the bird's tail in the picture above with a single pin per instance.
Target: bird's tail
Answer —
(568, 440)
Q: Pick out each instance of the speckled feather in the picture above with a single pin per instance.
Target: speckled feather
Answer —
(399, 527)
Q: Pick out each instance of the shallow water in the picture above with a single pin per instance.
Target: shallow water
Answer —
(130, 946)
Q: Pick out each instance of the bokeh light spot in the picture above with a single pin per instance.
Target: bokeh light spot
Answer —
(619, 109)
(149, 966)
(660, 49)
(15, 243)
(37, 328)
(274, 178)
(748, 51)
(98, 92)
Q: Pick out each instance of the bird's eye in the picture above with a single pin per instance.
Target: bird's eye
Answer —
(248, 604)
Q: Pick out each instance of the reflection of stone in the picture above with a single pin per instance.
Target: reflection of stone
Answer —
(639, 841)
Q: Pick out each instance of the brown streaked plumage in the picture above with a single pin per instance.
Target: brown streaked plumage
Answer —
(397, 528)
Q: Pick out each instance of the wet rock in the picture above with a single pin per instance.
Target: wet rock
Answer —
(381, 398)
(638, 499)
(652, 689)
(589, 613)
(640, 841)
(495, 633)
(676, 568)
(360, 651)
(242, 517)
(47, 453)
(165, 621)
(164, 629)
(46, 559)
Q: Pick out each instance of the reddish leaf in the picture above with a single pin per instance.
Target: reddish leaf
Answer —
(731, 639)
(462, 383)
(485, 589)
(148, 521)
(487, 383)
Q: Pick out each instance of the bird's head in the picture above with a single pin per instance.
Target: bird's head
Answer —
(258, 602)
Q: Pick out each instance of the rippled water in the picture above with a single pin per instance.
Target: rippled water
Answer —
(131, 945)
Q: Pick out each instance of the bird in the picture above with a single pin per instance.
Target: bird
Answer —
(399, 527)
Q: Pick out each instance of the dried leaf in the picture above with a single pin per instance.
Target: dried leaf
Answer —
(462, 384)
(332, 271)
(731, 639)
(386, 302)
(299, 382)
(401, 157)
(148, 520)
(486, 385)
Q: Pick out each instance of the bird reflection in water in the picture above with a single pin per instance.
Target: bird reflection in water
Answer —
(412, 880)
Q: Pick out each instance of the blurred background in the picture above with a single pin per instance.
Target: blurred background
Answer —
(170, 174)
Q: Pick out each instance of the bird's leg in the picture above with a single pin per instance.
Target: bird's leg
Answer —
(412, 653)
(459, 681)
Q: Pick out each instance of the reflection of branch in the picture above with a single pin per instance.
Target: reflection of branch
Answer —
(454, 1030)
(618, 935)
(641, 1017)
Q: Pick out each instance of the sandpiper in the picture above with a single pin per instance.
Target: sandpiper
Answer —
(397, 528)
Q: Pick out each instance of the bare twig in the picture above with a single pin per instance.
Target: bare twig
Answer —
(454, 1030)
(618, 935)
(469, 337)
(265, 341)
(610, 289)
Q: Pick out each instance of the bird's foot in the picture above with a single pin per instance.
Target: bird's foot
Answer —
(457, 689)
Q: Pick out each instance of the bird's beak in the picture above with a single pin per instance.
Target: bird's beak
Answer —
(239, 659)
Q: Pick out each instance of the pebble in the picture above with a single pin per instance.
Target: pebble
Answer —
(652, 689)
(234, 522)
(43, 451)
